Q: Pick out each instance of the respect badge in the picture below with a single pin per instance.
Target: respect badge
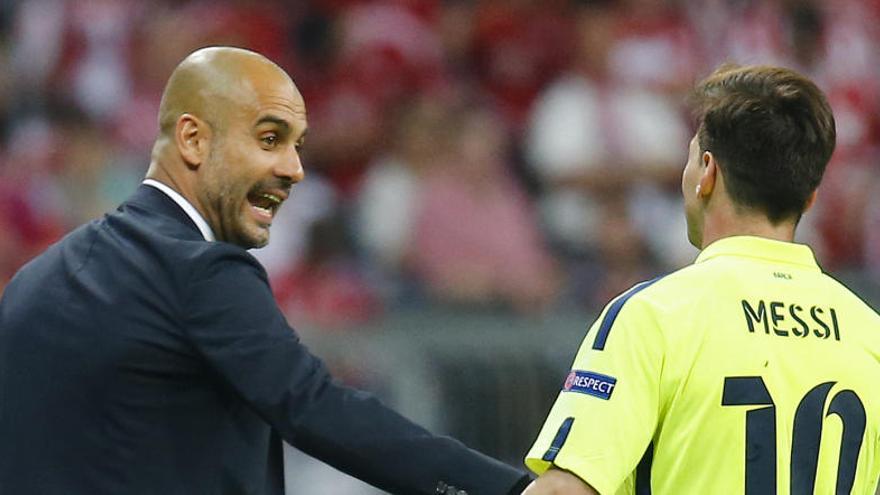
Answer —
(587, 382)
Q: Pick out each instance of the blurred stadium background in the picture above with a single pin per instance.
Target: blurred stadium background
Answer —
(482, 176)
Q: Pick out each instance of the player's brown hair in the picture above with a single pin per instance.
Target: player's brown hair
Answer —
(772, 133)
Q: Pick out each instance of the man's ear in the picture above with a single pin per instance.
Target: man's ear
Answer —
(709, 176)
(192, 136)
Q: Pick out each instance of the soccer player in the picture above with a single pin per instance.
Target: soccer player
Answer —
(749, 371)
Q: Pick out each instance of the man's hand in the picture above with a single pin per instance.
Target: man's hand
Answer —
(559, 482)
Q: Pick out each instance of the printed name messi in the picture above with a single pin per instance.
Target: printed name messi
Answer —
(587, 382)
(791, 319)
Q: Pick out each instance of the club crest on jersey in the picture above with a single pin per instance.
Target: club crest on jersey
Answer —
(587, 382)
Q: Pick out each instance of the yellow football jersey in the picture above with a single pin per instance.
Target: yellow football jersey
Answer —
(749, 371)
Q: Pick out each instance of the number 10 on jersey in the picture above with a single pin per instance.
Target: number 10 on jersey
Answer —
(760, 476)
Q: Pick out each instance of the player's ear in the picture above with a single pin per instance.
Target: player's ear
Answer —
(811, 199)
(709, 175)
(192, 136)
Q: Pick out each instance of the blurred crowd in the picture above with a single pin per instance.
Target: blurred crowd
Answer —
(523, 155)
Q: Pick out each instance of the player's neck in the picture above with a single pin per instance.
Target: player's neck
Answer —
(750, 224)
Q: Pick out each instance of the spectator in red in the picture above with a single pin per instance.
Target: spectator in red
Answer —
(327, 287)
(518, 47)
(382, 53)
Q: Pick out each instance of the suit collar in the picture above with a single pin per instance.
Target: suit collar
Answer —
(157, 202)
(186, 206)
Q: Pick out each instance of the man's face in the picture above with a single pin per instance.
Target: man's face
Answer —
(254, 160)
(693, 205)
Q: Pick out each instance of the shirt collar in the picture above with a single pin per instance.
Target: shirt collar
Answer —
(760, 248)
(187, 207)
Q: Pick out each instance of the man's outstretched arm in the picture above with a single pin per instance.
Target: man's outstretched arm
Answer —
(558, 482)
(235, 324)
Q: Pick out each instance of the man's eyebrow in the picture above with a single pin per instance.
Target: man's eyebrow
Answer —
(271, 119)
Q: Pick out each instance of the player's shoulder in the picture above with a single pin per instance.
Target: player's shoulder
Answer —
(651, 302)
(673, 286)
(847, 297)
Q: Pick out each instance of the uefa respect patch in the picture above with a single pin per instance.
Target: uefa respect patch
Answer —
(587, 382)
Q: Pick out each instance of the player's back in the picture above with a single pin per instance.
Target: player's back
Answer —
(749, 372)
(771, 377)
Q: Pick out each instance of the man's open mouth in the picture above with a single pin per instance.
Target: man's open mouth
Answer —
(265, 202)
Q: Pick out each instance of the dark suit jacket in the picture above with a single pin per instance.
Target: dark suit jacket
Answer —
(136, 358)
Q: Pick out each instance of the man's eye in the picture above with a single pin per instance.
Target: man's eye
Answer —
(271, 140)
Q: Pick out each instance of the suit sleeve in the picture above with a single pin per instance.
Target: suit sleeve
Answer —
(234, 322)
(605, 416)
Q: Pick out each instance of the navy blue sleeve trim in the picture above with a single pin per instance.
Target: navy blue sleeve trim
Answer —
(643, 472)
(614, 310)
(558, 440)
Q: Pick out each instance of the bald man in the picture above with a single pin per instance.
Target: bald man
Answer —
(144, 353)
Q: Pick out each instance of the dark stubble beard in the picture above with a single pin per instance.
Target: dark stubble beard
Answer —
(226, 200)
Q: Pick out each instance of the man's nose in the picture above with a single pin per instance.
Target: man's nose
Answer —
(291, 168)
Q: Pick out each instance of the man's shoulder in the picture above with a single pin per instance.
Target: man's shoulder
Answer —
(221, 255)
(199, 259)
(163, 239)
(153, 214)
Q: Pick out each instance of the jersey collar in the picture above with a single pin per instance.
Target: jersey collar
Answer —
(760, 248)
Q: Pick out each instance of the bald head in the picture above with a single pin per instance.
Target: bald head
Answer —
(209, 81)
(231, 127)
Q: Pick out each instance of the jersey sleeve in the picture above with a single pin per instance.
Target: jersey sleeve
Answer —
(605, 416)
